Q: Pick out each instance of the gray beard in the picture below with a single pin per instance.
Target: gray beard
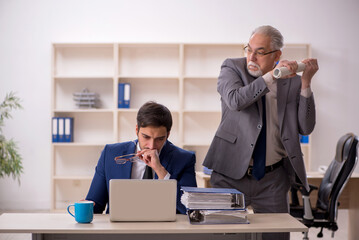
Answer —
(257, 73)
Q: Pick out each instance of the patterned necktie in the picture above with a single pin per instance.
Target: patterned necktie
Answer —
(148, 173)
(259, 153)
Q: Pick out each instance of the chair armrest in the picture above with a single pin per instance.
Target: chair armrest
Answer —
(301, 188)
(312, 187)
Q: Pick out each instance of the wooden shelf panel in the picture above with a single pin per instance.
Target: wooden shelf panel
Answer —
(83, 110)
(201, 151)
(82, 60)
(200, 127)
(90, 126)
(59, 178)
(201, 94)
(79, 161)
(75, 145)
(68, 191)
(148, 60)
(206, 60)
(296, 52)
(65, 88)
(164, 91)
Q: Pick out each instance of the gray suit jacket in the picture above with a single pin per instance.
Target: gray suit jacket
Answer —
(232, 147)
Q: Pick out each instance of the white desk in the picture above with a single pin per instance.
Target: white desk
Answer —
(63, 226)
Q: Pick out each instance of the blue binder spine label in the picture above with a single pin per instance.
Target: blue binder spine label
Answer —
(127, 95)
(69, 129)
(55, 129)
(61, 129)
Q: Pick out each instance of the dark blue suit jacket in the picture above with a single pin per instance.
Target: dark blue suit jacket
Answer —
(178, 162)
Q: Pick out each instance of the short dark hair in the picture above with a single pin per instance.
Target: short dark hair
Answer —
(155, 115)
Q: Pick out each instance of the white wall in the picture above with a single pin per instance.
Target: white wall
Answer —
(27, 29)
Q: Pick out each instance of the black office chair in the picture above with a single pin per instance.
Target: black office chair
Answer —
(334, 181)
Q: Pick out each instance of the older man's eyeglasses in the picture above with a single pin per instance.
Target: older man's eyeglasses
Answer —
(248, 50)
(127, 158)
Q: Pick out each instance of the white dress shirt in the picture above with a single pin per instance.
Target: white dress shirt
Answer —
(274, 149)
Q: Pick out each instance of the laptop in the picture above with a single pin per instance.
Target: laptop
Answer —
(143, 200)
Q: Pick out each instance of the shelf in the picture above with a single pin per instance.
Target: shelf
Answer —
(191, 144)
(182, 76)
(75, 144)
(201, 151)
(83, 60)
(206, 59)
(83, 110)
(123, 78)
(202, 111)
(77, 160)
(148, 60)
(296, 52)
(77, 77)
(65, 88)
(68, 191)
(91, 126)
(200, 127)
(201, 77)
(201, 94)
(165, 91)
(74, 178)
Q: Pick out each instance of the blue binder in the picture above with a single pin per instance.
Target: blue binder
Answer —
(61, 125)
(210, 190)
(212, 198)
(121, 91)
(124, 95)
(69, 126)
(55, 129)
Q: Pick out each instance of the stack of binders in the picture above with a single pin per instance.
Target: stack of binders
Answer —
(214, 205)
(85, 99)
(62, 129)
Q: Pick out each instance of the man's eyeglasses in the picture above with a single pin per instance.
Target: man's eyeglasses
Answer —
(127, 158)
(248, 50)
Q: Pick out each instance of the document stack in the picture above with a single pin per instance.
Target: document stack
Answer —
(85, 99)
(214, 205)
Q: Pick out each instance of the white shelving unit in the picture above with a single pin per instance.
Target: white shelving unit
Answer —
(181, 76)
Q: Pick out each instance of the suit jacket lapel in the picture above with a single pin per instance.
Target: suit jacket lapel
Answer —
(282, 94)
(126, 169)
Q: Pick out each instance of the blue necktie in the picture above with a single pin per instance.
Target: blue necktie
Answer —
(259, 153)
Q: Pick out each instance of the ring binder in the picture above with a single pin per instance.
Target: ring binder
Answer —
(214, 205)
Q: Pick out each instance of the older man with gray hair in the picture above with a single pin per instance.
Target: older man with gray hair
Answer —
(256, 148)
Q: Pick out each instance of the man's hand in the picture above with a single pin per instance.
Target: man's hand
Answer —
(151, 158)
(291, 65)
(311, 67)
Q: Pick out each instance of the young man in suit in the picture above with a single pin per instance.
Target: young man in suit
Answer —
(256, 148)
(155, 155)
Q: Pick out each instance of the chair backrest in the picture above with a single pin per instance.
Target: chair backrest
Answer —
(337, 175)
